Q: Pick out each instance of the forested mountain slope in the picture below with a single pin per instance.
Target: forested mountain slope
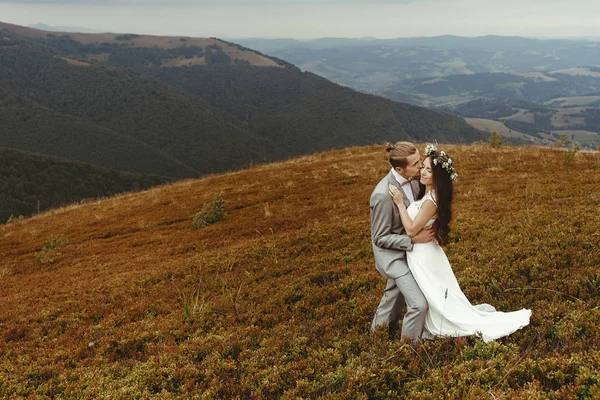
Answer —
(33, 182)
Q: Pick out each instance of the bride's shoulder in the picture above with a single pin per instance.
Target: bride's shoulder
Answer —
(431, 196)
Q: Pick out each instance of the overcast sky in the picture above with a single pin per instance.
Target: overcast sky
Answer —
(306, 19)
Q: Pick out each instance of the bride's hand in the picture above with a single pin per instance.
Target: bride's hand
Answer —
(397, 195)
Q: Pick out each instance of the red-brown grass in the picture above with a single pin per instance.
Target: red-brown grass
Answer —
(276, 301)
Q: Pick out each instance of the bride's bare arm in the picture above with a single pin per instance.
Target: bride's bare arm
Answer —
(427, 211)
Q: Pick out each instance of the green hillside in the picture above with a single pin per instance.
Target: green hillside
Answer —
(31, 127)
(303, 112)
(33, 182)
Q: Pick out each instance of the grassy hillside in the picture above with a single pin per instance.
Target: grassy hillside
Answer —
(537, 122)
(488, 125)
(33, 182)
(120, 298)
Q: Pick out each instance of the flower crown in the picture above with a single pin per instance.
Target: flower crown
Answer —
(440, 157)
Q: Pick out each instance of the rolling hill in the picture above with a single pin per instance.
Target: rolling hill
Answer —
(529, 87)
(576, 117)
(556, 82)
(374, 65)
(122, 298)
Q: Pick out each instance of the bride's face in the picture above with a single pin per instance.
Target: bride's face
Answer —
(426, 178)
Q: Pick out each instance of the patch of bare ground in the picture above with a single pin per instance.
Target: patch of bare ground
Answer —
(488, 125)
(184, 62)
(76, 63)
(97, 57)
(577, 71)
(522, 115)
(564, 117)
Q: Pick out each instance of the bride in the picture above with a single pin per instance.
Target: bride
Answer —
(450, 313)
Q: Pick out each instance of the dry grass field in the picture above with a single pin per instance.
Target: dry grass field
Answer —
(585, 138)
(120, 298)
(577, 71)
(489, 125)
(572, 101)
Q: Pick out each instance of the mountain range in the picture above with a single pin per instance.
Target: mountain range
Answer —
(550, 86)
(181, 107)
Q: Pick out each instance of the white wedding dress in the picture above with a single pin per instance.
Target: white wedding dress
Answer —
(450, 312)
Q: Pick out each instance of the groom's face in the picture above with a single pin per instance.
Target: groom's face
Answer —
(413, 166)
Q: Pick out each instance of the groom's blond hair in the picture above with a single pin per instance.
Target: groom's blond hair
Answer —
(398, 152)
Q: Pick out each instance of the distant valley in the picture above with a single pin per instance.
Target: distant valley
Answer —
(536, 89)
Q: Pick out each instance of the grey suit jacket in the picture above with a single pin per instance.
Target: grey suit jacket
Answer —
(388, 236)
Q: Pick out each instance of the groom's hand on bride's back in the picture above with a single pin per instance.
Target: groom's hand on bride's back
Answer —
(426, 235)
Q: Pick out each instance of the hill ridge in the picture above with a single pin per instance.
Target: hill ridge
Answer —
(235, 52)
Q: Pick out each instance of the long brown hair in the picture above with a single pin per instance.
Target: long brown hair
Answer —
(443, 189)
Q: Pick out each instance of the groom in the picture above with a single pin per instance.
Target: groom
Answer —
(390, 244)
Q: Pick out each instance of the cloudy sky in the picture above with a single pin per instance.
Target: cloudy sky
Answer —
(305, 19)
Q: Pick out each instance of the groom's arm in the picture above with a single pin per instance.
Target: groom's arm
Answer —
(382, 212)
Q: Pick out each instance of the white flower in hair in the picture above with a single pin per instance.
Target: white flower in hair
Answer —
(440, 157)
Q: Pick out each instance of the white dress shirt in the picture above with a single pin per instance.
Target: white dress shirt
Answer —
(406, 188)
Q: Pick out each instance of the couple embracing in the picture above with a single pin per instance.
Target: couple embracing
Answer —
(409, 224)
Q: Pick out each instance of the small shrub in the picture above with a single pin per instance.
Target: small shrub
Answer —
(127, 349)
(5, 271)
(496, 140)
(211, 213)
(192, 304)
(562, 140)
(572, 147)
(571, 152)
(52, 249)
(12, 218)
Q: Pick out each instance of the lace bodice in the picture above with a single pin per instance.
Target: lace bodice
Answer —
(415, 207)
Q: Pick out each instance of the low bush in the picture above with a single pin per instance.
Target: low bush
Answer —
(211, 213)
(52, 249)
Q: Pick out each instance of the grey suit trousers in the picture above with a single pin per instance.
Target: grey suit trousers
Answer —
(400, 290)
